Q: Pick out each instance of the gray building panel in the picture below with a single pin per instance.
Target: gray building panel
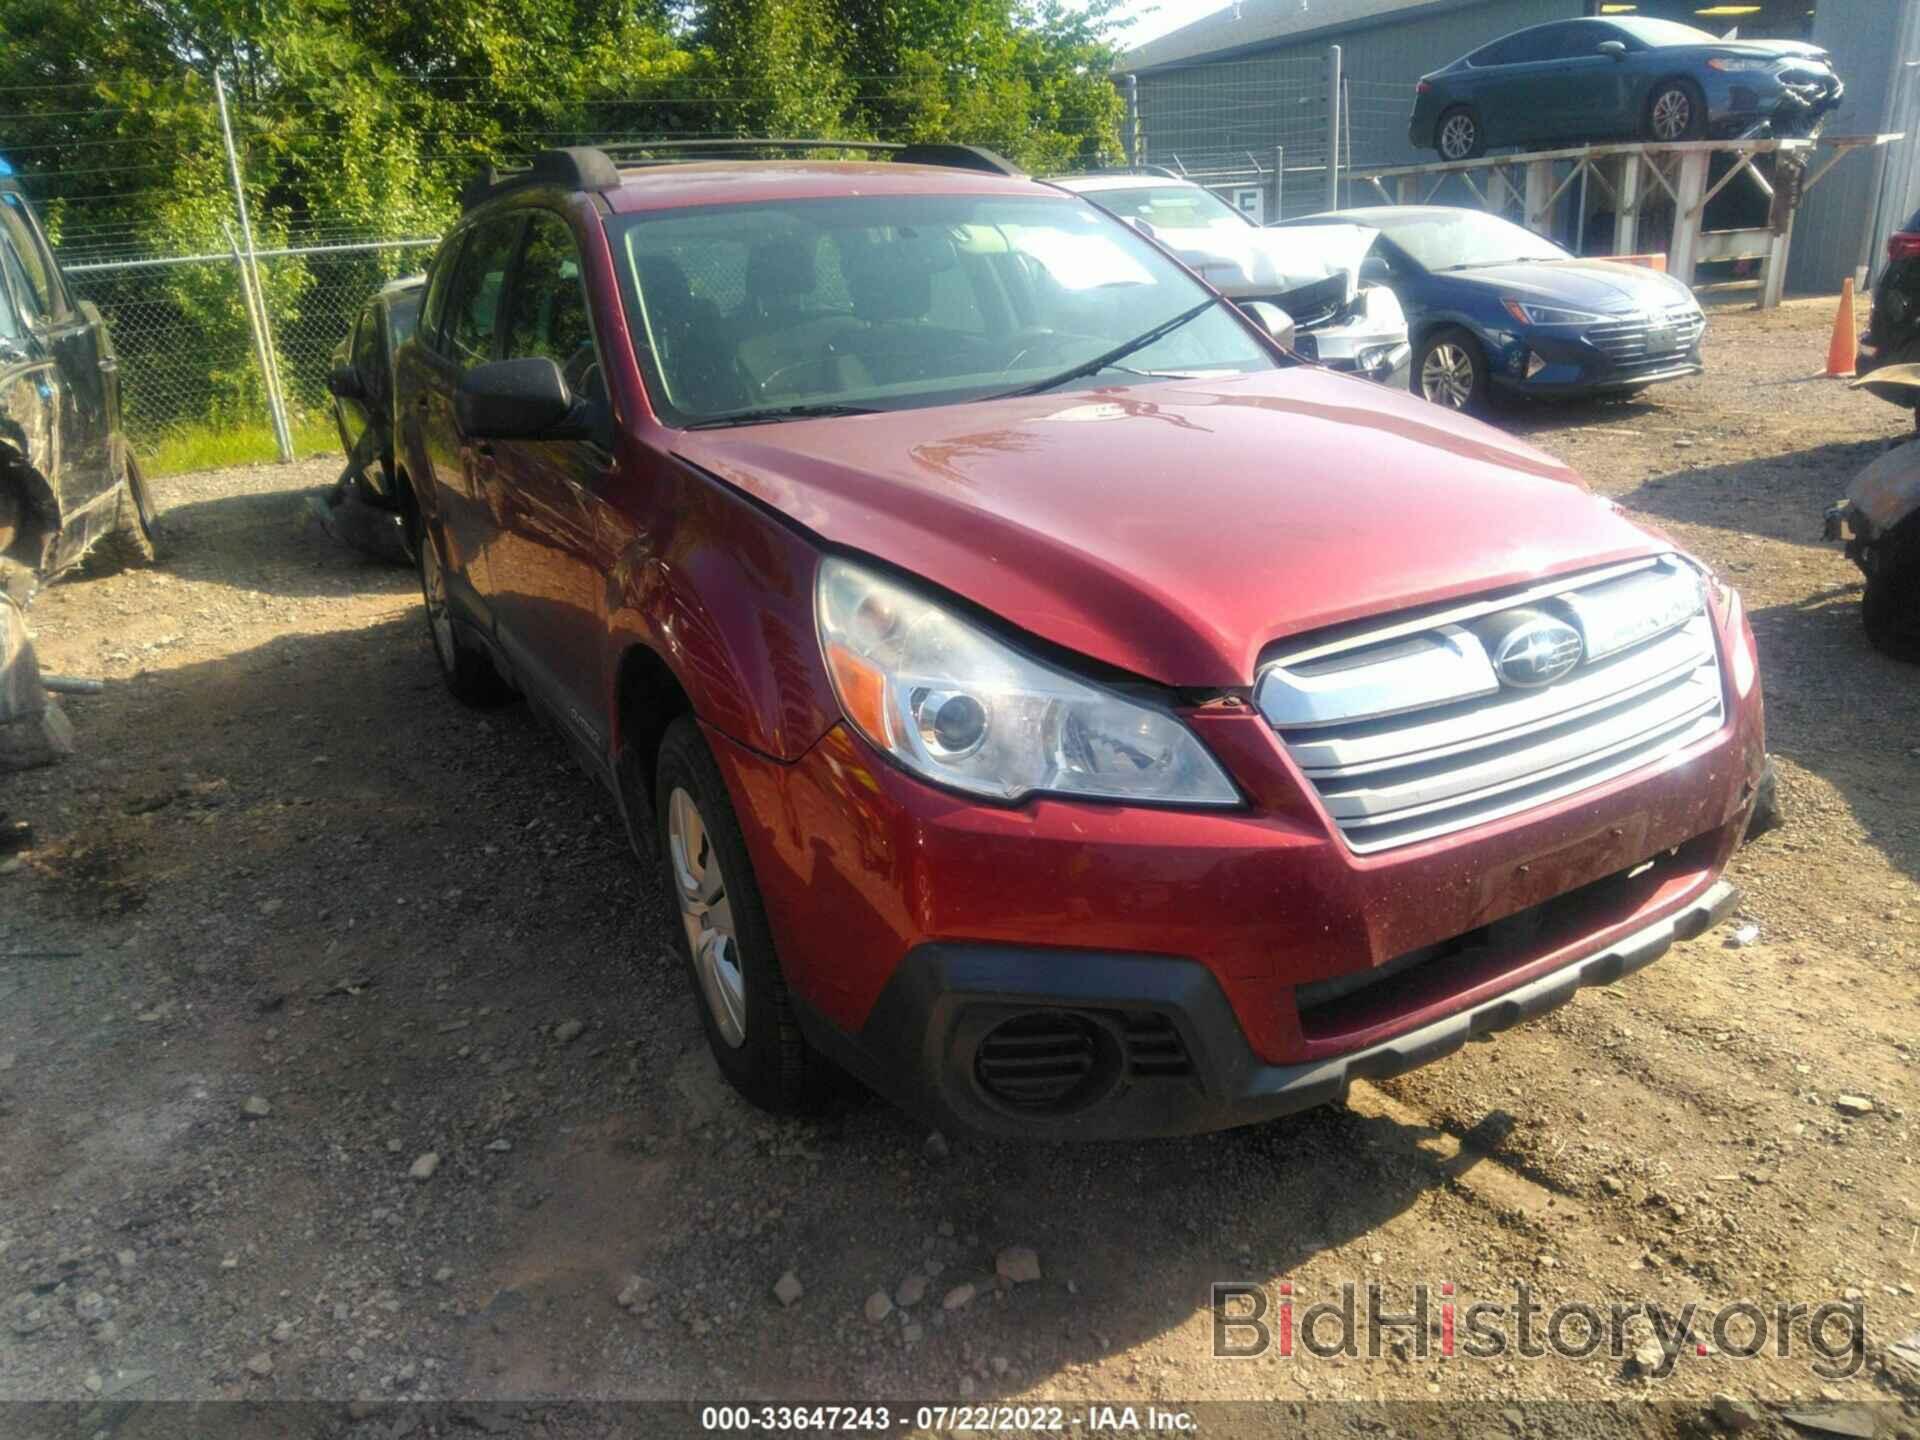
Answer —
(1840, 216)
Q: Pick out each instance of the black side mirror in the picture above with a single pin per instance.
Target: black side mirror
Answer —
(344, 381)
(1613, 49)
(518, 400)
(1375, 269)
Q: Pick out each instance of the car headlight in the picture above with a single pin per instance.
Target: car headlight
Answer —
(1528, 312)
(1733, 65)
(961, 708)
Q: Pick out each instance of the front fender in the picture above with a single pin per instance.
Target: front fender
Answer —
(722, 594)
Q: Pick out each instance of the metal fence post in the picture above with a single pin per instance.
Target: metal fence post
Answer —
(1279, 182)
(1333, 127)
(250, 279)
(1131, 135)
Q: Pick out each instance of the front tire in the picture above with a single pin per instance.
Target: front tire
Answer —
(1458, 135)
(1450, 370)
(724, 936)
(1675, 111)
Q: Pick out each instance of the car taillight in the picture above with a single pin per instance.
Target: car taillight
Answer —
(1422, 88)
(1904, 245)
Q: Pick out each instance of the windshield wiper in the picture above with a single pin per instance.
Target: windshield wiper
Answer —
(766, 414)
(1119, 352)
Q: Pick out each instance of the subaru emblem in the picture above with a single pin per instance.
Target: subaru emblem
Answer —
(1537, 652)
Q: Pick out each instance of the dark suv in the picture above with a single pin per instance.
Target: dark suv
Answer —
(67, 479)
(1043, 695)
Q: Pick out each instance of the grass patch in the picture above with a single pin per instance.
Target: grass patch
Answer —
(209, 447)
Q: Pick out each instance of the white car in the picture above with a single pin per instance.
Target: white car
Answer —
(1312, 274)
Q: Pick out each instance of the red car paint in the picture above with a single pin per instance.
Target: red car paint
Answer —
(1167, 531)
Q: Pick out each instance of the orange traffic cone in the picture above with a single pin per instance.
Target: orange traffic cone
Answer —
(1846, 333)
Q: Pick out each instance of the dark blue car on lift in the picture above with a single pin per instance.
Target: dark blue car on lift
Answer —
(1493, 306)
(1620, 78)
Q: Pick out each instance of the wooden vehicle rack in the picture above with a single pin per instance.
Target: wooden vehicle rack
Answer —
(1639, 177)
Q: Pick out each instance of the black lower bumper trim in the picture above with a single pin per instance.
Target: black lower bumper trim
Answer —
(918, 1044)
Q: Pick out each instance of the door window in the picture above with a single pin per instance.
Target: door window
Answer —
(548, 310)
(40, 293)
(473, 298)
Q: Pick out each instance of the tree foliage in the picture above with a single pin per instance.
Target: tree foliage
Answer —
(359, 120)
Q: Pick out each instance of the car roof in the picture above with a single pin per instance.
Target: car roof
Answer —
(727, 182)
(1379, 215)
(1080, 184)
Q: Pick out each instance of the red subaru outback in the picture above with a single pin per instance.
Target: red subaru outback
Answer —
(1048, 698)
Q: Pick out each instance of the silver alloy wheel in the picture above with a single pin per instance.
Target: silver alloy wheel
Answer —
(433, 588)
(1672, 114)
(708, 915)
(1446, 375)
(1457, 136)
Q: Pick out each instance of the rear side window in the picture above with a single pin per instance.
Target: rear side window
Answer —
(1523, 46)
(41, 296)
(473, 296)
(548, 314)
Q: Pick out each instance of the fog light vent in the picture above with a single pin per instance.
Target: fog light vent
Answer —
(1154, 1048)
(1044, 1060)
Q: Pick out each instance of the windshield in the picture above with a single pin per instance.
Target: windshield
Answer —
(1662, 32)
(1462, 239)
(890, 302)
(1170, 207)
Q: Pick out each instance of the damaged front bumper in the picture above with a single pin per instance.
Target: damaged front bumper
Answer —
(1367, 338)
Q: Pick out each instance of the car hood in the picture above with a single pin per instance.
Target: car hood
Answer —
(1798, 48)
(1604, 286)
(1271, 262)
(1174, 530)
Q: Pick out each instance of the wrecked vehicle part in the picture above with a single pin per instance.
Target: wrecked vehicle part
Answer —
(1892, 339)
(361, 382)
(34, 731)
(351, 519)
(1314, 276)
(1880, 521)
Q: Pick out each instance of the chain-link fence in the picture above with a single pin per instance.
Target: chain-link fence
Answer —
(189, 343)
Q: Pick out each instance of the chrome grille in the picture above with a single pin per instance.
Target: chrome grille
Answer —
(1665, 334)
(1406, 731)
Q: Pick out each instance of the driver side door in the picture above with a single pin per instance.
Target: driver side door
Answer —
(548, 570)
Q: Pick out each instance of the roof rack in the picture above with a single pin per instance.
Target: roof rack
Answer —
(589, 167)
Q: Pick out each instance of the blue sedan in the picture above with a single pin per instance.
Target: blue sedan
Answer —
(1621, 78)
(1493, 306)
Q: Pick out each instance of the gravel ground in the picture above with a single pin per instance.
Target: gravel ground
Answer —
(342, 1055)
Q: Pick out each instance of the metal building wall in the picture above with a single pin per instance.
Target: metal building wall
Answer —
(1840, 215)
(1231, 113)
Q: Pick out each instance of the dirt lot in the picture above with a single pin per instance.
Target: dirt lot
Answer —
(286, 868)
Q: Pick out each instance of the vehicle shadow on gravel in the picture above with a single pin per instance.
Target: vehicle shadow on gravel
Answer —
(270, 541)
(1839, 709)
(380, 912)
(1781, 497)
